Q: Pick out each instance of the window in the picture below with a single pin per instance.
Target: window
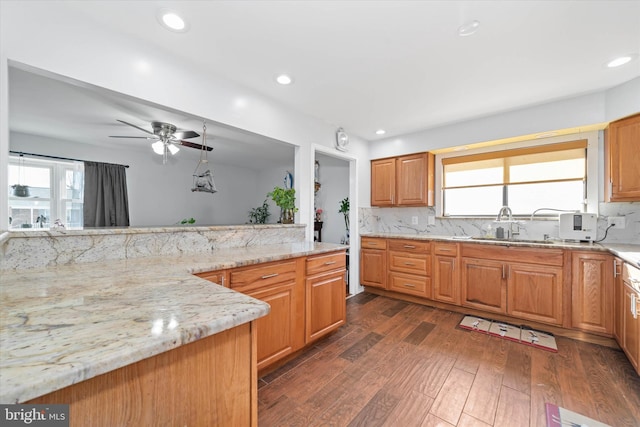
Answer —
(55, 191)
(525, 179)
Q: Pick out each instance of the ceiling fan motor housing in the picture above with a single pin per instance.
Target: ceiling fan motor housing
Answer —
(163, 129)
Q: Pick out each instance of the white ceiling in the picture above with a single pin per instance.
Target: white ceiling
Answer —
(397, 65)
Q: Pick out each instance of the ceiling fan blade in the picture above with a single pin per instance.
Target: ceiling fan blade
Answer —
(137, 127)
(135, 137)
(192, 145)
(187, 134)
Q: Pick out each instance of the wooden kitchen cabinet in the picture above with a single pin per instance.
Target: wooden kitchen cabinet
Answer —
(326, 308)
(373, 262)
(622, 159)
(483, 285)
(534, 292)
(592, 292)
(618, 299)
(522, 282)
(281, 285)
(446, 277)
(403, 181)
(409, 267)
(383, 182)
(630, 315)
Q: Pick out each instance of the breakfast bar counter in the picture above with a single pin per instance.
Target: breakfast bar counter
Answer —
(65, 324)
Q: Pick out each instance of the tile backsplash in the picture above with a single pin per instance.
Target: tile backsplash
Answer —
(402, 220)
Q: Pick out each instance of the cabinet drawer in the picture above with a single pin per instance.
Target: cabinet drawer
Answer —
(415, 246)
(410, 263)
(218, 276)
(445, 249)
(410, 284)
(249, 278)
(373, 243)
(327, 262)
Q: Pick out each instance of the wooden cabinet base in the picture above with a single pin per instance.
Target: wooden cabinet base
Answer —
(212, 381)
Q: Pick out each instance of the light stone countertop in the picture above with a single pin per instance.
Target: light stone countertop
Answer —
(66, 324)
(628, 252)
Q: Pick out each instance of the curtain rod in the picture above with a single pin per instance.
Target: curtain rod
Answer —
(21, 153)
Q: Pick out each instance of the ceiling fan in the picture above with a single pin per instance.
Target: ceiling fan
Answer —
(166, 137)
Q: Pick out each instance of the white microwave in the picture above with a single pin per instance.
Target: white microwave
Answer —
(578, 226)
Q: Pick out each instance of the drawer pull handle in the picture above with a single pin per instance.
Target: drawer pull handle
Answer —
(409, 285)
(409, 247)
(372, 244)
(269, 276)
(445, 249)
(409, 263)
(329, 262)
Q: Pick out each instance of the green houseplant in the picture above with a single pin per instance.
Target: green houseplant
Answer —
(285, 198)
(344, 210)
(260, 214)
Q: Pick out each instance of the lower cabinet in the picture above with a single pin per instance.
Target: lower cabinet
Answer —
(409, 267)
(373, 262)
(306, 296)
(629, 315)
(446, 274)
(325, 295)
(592, 292)
(483, 285)
(526, 283)
(281, 332)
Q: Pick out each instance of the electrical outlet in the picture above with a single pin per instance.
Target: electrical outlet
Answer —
(431, 220)
(414, 220)
(617, 222)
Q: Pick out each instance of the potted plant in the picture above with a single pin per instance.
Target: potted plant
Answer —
(260, 214)
(344, 210)
(285, 198)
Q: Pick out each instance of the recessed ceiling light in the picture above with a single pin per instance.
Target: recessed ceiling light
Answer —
(469, 28)
(284, 79)
(381, 132)
(172, 21)
(619, 61)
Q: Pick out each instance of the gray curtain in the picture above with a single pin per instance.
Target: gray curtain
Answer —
(105, 195)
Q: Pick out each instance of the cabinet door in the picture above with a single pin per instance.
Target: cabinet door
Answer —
(446, 285)
(326, 304)
(631, 327)
(277, 332)
(383, 182)
(618, 300)
(535, 292)
(592, 292)
(483, 285)
(373, 268)
(623, 151)
(414, 177)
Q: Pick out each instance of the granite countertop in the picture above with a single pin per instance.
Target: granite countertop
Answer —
(66, 324)
(628, 252)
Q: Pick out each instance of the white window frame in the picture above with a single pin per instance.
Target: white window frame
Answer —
(594, 172)
(57, 179)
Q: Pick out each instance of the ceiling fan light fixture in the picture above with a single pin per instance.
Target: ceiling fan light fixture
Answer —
(158, 147)
(173, 149)
(172, 21)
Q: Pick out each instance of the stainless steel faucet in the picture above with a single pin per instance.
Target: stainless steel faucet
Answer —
(504, 210)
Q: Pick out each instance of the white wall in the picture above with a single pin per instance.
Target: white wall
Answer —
(161, 194)
(334, 180)
(56, 38)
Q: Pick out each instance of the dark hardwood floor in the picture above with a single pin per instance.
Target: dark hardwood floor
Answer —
(402, 364)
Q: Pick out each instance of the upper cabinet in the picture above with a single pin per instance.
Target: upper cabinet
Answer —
(403, 181)
(623, 158)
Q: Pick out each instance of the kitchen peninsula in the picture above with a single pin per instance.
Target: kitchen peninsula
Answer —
(120, 318)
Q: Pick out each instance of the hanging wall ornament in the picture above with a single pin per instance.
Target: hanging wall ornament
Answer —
(20, 190)
(202, 175)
